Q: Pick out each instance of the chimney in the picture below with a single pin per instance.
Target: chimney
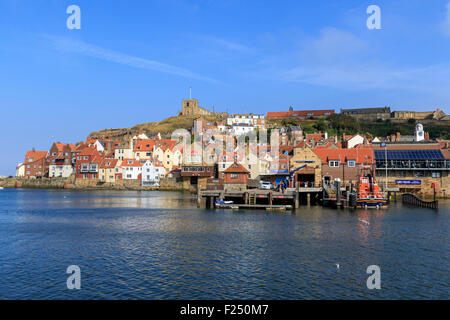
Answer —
(326, 135)
(398, 137)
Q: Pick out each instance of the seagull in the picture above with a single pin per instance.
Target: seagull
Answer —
(337, 265)
(366, 222)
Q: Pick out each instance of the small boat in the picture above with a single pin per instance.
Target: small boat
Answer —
(369, 194)
(224, 202)
(1, 188)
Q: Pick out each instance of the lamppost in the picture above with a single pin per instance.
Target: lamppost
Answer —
(384, 145)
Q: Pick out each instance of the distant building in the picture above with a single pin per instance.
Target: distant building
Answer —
(302, 115)
(190, 107)
(370, 114)
(257, 120)
(405, 115)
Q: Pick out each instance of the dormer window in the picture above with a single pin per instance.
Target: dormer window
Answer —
(130, 162)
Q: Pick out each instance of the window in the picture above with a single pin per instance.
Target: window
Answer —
(78, 158)
(436, 174)
(333, 164)
(86, 158)
(130, 162)
(351, 163)
(233, 176)
(54, 154)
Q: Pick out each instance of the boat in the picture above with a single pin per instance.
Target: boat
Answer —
(1, 188)
(223, 202)
(369, 194)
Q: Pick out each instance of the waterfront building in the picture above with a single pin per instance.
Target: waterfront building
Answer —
(344, 164)
(131, 169)
(87, 164)
(235, 178)
(413, 167)
(107, 172)
(20, 170)
(36, 165)
(305, 167)
(61, 159)
(195, 176)
(369, 114)
(152, 172)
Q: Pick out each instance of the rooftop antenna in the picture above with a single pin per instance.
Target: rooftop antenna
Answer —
(190, 93)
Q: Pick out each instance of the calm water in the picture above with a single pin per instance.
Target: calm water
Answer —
(157, 245)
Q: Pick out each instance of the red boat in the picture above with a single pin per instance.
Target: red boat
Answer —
(369, 194)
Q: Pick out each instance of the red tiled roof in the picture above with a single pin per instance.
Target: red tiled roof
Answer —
(236, 168)
(89, 151)
(144, 145)
(165, 144)
(133, 163)
(35, 155)
(360, 155)
(108, 163)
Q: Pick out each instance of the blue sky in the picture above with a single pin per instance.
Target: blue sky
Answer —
(133, 62)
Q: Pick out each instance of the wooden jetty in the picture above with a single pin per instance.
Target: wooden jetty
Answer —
(412, 199)
(259, 199)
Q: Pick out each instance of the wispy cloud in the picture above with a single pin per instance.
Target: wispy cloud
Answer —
(446, 23)
(228, 45)
(338, 59)
(86, 49)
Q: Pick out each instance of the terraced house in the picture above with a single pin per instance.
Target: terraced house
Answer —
(36, 165)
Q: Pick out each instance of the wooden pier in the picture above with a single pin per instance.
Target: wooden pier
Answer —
(259, 199)
(412, 199)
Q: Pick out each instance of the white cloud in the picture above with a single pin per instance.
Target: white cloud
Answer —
(86, 49)
(446, 23)
(339, 59)
(333, 44)
(229, 45)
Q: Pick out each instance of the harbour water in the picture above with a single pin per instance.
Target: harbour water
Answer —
(158, 245)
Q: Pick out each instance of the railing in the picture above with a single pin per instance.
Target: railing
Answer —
(412, 164)
(411, 199)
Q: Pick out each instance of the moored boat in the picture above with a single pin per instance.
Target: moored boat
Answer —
(369, 194)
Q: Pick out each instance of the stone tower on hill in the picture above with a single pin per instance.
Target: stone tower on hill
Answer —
(190, 107)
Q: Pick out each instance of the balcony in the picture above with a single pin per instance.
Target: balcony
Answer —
(432, 165)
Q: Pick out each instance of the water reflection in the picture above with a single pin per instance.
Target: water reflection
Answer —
(158, 245)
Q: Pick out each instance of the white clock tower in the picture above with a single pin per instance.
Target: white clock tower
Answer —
(419, 134)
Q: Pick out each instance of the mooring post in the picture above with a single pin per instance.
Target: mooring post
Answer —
(270, 198)
(296, 195)
(308, 199)
(199, 197)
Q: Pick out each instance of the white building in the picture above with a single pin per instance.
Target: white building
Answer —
(354, 141)
(419, 134)
(242, 129)
(131, 169)
(99, 146)
(257, 120)
(151, 173)
(20, 170)
(62, 170)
